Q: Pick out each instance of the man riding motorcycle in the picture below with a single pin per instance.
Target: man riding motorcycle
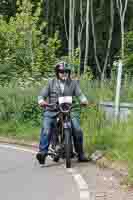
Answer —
(62, 85)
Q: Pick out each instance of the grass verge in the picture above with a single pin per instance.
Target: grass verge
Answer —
(18, 130)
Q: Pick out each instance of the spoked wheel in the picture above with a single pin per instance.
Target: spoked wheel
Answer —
(68, 147)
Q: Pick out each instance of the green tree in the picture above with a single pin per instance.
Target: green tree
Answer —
(24, 49)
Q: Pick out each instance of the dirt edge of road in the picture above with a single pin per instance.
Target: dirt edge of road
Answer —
(32, 144)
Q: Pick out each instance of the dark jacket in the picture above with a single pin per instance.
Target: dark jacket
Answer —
(52, 91)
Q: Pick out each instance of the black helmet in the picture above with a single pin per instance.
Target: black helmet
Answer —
(62, 66)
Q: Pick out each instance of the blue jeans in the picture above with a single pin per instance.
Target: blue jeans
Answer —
(49, 127)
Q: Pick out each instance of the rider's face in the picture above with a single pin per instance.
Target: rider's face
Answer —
(63, 75)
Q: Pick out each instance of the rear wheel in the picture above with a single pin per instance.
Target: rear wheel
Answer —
(68, 147)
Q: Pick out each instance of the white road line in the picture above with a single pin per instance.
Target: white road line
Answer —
(80, 181)
(82, 185)
(84, 195)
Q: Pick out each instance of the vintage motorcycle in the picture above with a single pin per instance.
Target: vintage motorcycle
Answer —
(62, 144)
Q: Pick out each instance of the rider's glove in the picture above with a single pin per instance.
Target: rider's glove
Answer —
(42, 103)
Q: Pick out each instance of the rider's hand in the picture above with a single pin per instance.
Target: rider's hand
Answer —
(85, 103)
(43, 103)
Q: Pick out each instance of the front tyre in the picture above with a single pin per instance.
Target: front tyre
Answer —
(68, 147)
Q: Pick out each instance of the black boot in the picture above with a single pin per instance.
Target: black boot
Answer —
(81, 155)
(41, 156)
(82, 158)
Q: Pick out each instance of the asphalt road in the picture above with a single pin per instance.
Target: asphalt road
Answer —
(21, 178)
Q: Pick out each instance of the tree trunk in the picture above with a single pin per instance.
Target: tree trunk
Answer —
(80, 30)
(87, 35)
(110, 39)
(65, 20)
(70, 29)
(47, 15)
(122, 11)
(94, 39)
(73, 26)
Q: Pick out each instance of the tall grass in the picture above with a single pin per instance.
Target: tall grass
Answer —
(114, 138)
(20, 115)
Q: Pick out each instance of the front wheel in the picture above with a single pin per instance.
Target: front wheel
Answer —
(68, 147)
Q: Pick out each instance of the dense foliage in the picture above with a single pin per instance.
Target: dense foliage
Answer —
(24, 50)
(40, 25)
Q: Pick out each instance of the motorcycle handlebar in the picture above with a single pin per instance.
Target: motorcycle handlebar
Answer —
(58, 106)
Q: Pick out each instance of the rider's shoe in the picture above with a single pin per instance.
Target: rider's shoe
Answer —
(41, 156)
(83, 158)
